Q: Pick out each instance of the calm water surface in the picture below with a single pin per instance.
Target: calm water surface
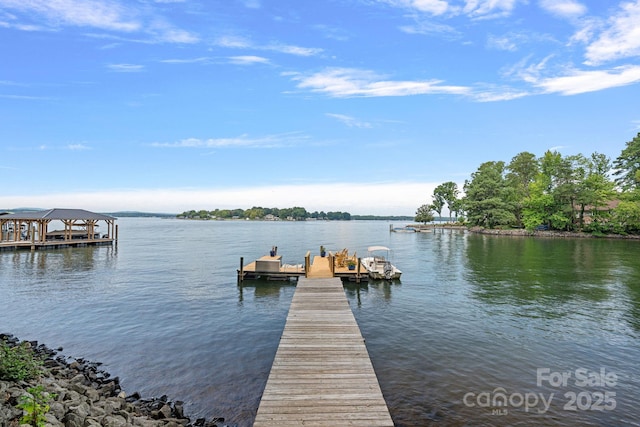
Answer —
(468, 327)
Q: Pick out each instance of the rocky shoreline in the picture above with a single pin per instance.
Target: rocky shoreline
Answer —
(86, 396)
(548, 233)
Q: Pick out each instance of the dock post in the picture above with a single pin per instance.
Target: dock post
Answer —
(241, 271)
(116, 234)
(33, 238)
(358, 271)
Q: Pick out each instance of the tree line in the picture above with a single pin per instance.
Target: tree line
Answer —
(569, 193)
(257, 213)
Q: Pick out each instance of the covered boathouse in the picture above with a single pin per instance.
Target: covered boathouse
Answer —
(56, 228)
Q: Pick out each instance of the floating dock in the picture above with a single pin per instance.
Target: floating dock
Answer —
(270, 267)
(322, 374)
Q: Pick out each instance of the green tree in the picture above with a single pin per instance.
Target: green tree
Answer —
(299, 213)
(438, 201)
(423, 214)
(522, 171)
(595, 189)
(489, 200)
(627, 165)
(562, 177)
(448, 192)
(625, 217)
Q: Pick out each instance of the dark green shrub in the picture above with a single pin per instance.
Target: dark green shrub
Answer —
(18, 363)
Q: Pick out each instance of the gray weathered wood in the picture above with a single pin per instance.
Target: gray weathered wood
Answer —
(322, 374)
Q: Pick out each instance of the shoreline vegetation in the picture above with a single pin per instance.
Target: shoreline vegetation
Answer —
(522, 232)
(39, 387)
(554, 192)
(283, 214)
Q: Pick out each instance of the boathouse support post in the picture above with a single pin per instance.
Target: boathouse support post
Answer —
(241, 271)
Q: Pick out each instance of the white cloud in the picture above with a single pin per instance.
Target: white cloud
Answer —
(78, 147)
(349, 121)
(126, 68)
(268, 141)
(252, 4)
(237, 42)
(349, 82)
(580, 81)
(506, 42)
(485, 9)
(564, 8)
(234, 42)
(477, 9)
(401, 198)
(202, 59)
(432, 7)
(110, 15)
(88, 13)
(293, 50)
(248, 60)
(621, 39)
(498, 94)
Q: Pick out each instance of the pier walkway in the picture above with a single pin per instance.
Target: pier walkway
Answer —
(322, 374)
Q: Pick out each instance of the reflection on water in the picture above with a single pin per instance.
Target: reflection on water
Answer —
(554, 277)
(472, 313)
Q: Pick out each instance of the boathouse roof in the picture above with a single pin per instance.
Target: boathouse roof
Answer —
(59, 214)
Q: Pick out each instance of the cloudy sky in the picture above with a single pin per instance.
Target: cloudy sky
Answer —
(352, 105)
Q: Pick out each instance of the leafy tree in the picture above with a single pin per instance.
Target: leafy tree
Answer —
(626, 217)
(438, 200)
(299, 213)
(627, 165)
(596, 189)
(489, 200)
(423, 214)
(448, 191)
(523, 170)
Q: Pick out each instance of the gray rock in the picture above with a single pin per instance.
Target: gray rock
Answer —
(78, 379)
(57, 409)
(166, 411)
(114, 421)
(98, 411)
(90, 422)
(82, 409)
(145, 422)
(72, 419)
(52, 420)
(92, 394)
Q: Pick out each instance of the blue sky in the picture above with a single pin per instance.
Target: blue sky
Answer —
(361, 106)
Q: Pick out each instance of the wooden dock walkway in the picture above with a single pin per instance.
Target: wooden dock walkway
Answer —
(322, 374)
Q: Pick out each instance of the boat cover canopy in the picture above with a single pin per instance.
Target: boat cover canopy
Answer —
(378, 248)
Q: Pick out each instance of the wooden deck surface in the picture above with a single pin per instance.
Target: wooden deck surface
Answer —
(320, 268)
(322, 374)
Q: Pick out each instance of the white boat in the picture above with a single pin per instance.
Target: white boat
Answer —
(378, 265)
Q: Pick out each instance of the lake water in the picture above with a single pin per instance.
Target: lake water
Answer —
(475, 321)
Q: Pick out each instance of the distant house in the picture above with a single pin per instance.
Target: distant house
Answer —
(271, 217)
(589, 210)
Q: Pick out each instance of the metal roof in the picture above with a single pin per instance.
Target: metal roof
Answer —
(59, 214)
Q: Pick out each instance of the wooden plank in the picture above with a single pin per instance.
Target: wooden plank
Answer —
(322, 374)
